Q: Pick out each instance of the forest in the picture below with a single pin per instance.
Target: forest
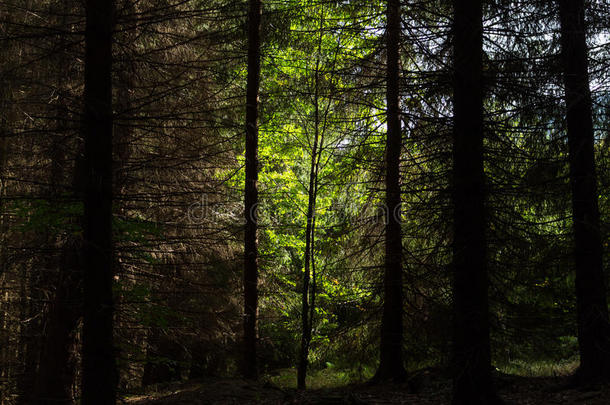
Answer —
(304, 202)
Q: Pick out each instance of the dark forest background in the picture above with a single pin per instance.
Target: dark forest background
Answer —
(313, 193)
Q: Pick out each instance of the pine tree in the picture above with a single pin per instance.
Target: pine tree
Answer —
(592, 304)
(391, 362)
(251, 192)
(471, 346)
(99, 373)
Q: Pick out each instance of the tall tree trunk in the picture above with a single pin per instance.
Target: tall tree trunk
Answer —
(592, 307)
(306, 321)
(391, 362)
(5, 95)
(56, 371)
(308, 294)
(250, 370)
(98, 358)
(471, 346)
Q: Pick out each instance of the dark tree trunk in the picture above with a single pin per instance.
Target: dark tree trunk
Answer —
(250, 369)
(56, 371)
(5, 102)
(308, 294)
(592, 307)
(98, 356)
(391, 363)
(30, 337)
(26, 351)
(58, 364)
(471, 346)
(306, 305)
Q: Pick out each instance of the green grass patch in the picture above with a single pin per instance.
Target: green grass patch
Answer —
(541, 368)
(329, 377)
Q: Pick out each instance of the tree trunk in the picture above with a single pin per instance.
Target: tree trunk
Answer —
(308, 294)
(58, 364)
(98, 357)
(471, 346)
(306, 321)
(592, 307)
(251, 193)
(56, 371)
(391, 362)
(5, 102)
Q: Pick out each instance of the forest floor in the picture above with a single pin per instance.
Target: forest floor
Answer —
(426, 388)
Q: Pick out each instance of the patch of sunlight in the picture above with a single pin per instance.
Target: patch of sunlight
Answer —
(157, 392)
(326, 378)
(541, 368)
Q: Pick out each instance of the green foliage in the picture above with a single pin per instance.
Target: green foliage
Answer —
(48, 216)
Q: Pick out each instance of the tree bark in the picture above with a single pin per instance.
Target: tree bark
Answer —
(592, 307)
(250, 370)
(308, 294)
(57, 368)
(472, 382)
(5, 102)
(391, 362)
(99, 374)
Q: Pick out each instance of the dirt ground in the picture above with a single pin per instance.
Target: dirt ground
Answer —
(423, 389)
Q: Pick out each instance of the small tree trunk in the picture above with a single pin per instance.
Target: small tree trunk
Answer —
(58, 364)
(309, 275)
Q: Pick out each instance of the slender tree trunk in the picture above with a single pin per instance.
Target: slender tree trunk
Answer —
(307, 308)
(30, 335)
(58, 364)
(305, 293)
(472, 382)
(56, 371)
(251, 193)
(592, 307)
(98, 357)
(391, 361)
(5, 92)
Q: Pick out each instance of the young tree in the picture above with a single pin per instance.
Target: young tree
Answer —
(57, 369)
(308, 296)
(251, 192)
(391, 362)
(99, 373)
(592, 306)
(471, 346)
